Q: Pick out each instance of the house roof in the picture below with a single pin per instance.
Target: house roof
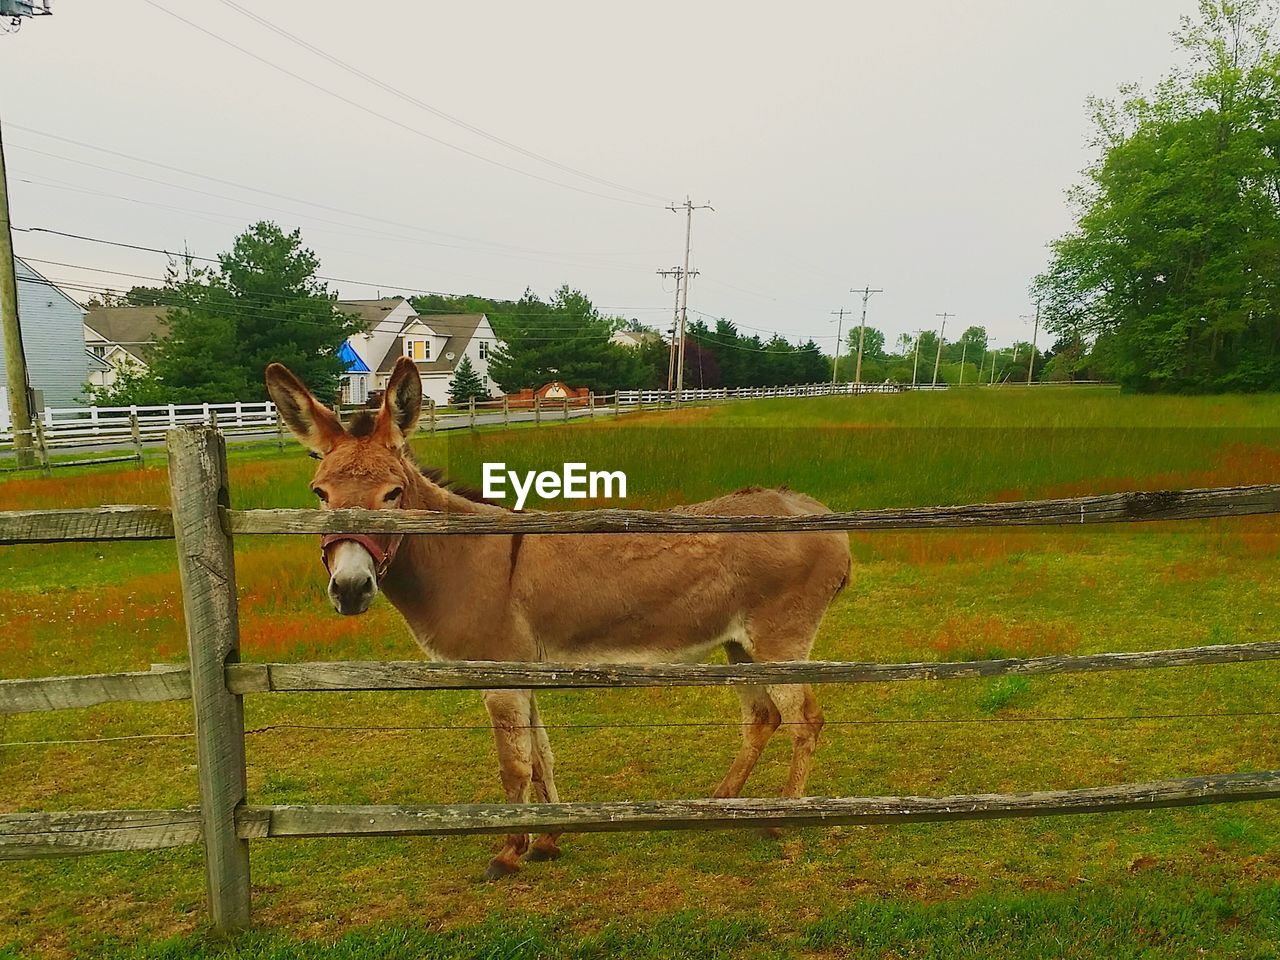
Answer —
(135, 329)
(351, 360)
(457, 328)
(370, 312)
(30, 274)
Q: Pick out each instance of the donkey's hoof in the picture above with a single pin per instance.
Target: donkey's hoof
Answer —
(541, 852)
(499, 868)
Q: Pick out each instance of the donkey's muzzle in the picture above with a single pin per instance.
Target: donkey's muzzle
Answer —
(352, 594)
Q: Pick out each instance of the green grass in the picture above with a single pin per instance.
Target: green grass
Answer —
(1160, 884)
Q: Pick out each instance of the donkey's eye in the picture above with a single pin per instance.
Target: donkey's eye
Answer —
(392, 494)
(324, 497)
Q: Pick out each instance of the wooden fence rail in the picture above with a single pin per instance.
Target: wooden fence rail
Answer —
(156, 523)
(419, 675)
(1109, 508)
(38, 835)
(202, 523)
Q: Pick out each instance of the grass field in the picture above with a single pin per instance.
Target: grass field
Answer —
(1164, 884)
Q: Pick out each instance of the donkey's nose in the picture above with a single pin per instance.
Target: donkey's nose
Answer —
(352, 595)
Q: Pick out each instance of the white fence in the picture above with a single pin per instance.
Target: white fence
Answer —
(647, 397)
(69, 426)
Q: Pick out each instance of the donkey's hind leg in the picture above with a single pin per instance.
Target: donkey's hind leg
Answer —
(803, 717)
(546, 847)
(760, 718)
(509, 713)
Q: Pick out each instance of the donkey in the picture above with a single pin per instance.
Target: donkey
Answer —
(584, 598)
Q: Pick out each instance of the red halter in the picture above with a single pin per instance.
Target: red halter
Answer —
(382, 556)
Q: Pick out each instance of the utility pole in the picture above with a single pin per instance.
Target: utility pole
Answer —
(995, 355)
(678, 273)
(964, 350)
(916, 365)
(688, 207)
(1035, 331)
(15, 359)
(835, 364)
(942, 337)
(862, 330)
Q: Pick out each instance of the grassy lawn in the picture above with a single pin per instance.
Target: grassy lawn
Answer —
(1162, 884)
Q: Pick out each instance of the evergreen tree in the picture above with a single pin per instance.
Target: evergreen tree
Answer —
(466, 384)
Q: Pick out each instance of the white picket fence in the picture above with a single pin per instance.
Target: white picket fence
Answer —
(69, 426)
(653, 397)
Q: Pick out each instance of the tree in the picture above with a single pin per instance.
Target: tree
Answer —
(261, 304)
(466, 384)
(1170, 270)
(564, 339)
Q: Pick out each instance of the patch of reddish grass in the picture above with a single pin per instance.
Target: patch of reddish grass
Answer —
(146, 485)
(983, 547)
(979, 637)
(1235, 465)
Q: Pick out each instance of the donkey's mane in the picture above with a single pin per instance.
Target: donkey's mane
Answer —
(436, 476)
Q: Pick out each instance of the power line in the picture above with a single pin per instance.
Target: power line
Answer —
(480, 245)
(385, 117)
(862, 330)
(435, 111)
(688, 207)
(240, 186)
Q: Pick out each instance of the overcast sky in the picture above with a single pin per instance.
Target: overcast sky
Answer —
(923, 147)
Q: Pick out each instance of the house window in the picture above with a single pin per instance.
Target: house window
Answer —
(99, 350)
(484, 349)
(417, 349)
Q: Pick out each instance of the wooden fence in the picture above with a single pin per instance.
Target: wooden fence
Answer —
(202, 523)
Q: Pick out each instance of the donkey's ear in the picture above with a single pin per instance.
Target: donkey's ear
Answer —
(402, 403)
(314, 424)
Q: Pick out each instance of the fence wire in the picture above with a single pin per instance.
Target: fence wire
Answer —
(859, 722)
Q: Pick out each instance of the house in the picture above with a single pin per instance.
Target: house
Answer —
(634, 339)
(390, 328)
(437, 344)
(57, 364)
(121, 338)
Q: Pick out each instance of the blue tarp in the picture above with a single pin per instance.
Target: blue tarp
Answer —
(351, 359)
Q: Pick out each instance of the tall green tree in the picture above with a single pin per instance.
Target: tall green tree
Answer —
(466, 384)
(1171, 270)
(565, 338)
(261, 303)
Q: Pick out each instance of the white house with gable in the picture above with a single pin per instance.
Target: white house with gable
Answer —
(436, 343)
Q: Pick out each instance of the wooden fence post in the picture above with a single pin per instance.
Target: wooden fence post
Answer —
(471, 413)
(566, 409)
(617, 403)
(136, 430)
(198, 487)
(537, 411)
(431, 415)
(591, 405)
(279, 432)
(42, 446)
(506, 412)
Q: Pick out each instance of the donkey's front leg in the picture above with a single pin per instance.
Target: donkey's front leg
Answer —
(510, 713)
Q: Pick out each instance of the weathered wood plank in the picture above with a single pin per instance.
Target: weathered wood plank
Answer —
(161, 682)
(206, 563)
(28, 836)
(485, 675)
(347, 820)
(91, 523)
(1111, 508)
